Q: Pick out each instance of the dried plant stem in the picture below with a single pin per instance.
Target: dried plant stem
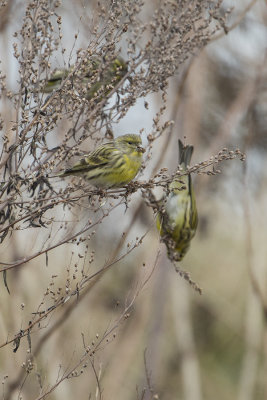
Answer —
(236, 23)
(180, 302)
(256, 303)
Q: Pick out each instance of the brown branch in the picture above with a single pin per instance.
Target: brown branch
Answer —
(102, 342)
(236, 23)
(76, 291)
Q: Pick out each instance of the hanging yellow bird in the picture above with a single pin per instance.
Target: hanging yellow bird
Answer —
(177, 221)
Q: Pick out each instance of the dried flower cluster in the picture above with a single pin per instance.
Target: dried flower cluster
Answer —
(32, 150)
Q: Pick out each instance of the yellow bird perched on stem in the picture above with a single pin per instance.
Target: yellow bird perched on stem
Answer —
(112, 73)
(112, 164)
(177, 219)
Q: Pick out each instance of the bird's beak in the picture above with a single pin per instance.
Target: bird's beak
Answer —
(140, 149)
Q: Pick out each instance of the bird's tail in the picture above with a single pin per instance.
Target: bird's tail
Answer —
(185, 153)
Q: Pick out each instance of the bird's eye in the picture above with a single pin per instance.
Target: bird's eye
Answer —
(130, 142)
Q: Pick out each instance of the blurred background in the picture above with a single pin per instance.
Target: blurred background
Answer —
(155, 337)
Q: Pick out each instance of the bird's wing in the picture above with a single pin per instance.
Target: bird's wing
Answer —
(100, 157)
